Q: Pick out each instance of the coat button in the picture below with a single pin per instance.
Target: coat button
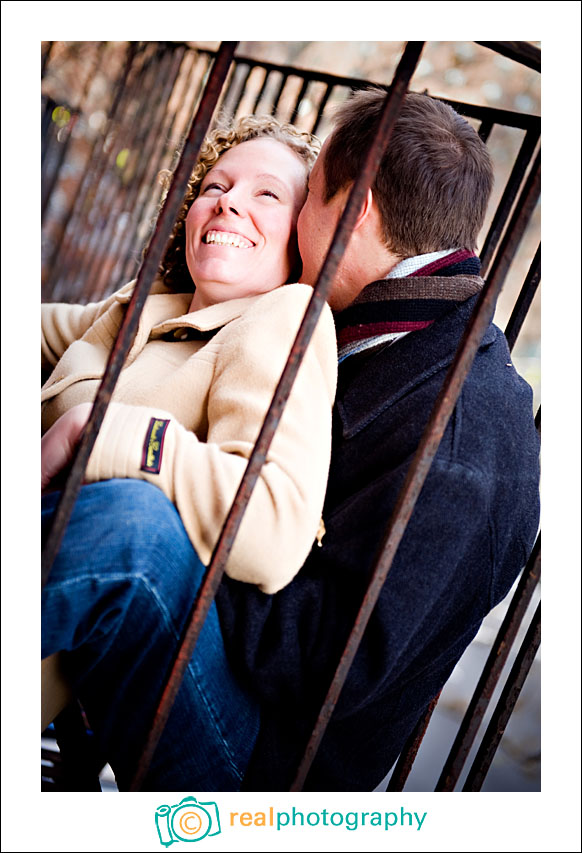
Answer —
(181, 334)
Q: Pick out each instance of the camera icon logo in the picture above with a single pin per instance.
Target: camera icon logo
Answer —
(189, 820)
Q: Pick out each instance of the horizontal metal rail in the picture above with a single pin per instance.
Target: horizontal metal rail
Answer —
(322, 287)
(425, 454)
(128, 327)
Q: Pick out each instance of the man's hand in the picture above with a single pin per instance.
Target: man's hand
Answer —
(59, 442)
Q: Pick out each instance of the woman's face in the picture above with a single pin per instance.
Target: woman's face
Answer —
(241, 230)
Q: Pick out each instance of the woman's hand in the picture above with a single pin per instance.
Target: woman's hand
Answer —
(59, 442)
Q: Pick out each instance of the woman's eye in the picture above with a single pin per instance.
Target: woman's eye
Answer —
(212, 187)
(269, 193)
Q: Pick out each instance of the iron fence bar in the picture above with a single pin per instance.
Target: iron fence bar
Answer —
(146, 275)
(234, 518)
(261, 92)
(485, 129)
(491, 673)
(505, 706)
(322, 106)
(538, 420)
(520, 51)
(426, 451)
(93, 168)
(242, 82)
(99, 190)
(520, 166)
(149, 149)
(277, 97)
(524, 300)
(295, 111)
(406, 759)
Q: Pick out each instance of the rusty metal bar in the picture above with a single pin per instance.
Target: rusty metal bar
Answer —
(520, 51)
(538, 420)
(225, 542)
(491, 672)
(302, 92)
(404, 764)
(261, 91)
(524, 300)
(505, 706)
(427, 448)
(277, 97)
(145, 278)
(485, 130)
(321, 108)
(522, 161)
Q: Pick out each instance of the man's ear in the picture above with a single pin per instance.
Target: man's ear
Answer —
(366, 209)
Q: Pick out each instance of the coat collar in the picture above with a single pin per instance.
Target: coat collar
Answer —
(402, 366)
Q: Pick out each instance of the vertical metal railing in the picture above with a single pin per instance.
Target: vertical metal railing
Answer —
(443, 408)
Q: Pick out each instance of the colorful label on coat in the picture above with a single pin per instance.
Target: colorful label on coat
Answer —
(151, 460)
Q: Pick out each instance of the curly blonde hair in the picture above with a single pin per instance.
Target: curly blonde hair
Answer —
(173, 268)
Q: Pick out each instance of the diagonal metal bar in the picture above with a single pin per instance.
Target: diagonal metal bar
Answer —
(491, 673)
(225, 542)
(512, 186)
(524, 300)
(404, 764)
(145, 278)
(426, 451)
(520, 51)
(505, 706)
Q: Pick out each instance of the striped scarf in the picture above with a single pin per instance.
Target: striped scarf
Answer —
(416, 292)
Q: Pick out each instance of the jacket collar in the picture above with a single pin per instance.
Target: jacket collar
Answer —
(402, 366)
(205, 319)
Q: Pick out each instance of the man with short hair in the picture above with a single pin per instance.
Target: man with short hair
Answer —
(404, 291)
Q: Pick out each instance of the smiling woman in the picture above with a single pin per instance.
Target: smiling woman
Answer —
(212, 342)
(242, 207)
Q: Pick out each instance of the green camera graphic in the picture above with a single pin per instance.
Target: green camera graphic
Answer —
(189, 820)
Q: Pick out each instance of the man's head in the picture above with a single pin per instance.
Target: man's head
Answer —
(430, 193)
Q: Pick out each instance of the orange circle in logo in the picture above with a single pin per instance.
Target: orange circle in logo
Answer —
(190, 823)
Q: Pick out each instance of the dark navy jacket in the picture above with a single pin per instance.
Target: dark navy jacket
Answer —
(469, 536)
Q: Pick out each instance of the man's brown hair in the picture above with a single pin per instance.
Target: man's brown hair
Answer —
(434, 179)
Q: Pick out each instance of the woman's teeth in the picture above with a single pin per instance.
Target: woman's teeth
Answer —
(225, 238)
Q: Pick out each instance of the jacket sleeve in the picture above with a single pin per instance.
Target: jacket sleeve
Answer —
(62, 324)
(201, 478)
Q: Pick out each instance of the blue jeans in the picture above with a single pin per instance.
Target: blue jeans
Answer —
(116, 603)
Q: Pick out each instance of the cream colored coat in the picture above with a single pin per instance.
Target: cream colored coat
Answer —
(215, 393)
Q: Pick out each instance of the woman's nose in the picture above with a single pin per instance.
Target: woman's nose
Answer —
(226, 203)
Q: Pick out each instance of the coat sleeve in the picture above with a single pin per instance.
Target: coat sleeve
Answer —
(201, 478)
(62, 324)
